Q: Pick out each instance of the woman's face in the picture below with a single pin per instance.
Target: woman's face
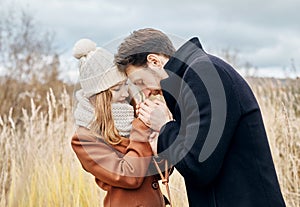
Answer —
(119, 92)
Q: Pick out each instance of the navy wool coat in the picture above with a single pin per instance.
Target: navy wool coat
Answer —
(217, 141)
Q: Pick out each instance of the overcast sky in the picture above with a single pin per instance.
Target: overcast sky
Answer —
(265, 33)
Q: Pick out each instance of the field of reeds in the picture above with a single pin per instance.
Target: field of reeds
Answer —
(38, 167)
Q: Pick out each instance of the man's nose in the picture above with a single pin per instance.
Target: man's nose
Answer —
(147, 92)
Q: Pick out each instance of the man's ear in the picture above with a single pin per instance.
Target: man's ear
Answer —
(154, 60)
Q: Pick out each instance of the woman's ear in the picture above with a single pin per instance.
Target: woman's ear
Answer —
(154, 60)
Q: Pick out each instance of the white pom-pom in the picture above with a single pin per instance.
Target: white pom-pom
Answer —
(82, 47)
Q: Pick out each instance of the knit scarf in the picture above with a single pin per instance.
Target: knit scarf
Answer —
(122, 113)
(123, 116)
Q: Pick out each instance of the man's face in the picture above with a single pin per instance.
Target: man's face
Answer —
(145, 78)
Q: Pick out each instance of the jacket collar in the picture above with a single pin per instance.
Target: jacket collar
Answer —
(183, 57)
(176, 67)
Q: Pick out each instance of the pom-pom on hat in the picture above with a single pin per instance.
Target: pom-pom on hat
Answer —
(97, 71)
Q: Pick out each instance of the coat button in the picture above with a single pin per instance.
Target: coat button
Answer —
(155, 185)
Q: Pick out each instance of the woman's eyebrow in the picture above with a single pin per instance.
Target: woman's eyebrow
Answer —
(119, 84)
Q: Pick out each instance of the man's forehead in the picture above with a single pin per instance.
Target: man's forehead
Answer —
(132, 69)
(134, 72)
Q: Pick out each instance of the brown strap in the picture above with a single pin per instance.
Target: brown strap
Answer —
(164, 179)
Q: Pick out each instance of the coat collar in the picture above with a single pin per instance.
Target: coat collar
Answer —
(183, 57)
(176, 67)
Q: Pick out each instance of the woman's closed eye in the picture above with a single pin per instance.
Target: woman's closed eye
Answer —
(119, 86)
(116, 88)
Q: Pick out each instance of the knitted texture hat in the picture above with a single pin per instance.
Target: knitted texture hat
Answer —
(96, 68)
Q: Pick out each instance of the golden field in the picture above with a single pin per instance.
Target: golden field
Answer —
(39, 168)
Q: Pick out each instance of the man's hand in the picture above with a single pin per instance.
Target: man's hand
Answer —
(154, 114)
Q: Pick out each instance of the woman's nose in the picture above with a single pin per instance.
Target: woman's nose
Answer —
(125, 91)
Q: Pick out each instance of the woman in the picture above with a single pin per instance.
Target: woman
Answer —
(104, 120)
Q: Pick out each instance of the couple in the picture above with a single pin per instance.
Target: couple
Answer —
(210, 128)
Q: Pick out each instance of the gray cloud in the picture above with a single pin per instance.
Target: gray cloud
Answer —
(265, 33)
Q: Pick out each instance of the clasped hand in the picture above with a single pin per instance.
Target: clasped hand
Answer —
(154, 114)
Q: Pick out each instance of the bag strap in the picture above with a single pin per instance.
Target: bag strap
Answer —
(164, 179)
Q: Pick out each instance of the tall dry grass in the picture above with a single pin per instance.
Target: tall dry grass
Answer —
(37, 165)
(280, 104)
(39, 168)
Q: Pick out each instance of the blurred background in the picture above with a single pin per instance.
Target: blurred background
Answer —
(38, 76)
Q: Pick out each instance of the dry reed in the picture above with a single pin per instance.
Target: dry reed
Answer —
(38, 167)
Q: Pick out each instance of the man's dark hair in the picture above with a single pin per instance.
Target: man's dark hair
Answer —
(135, 48)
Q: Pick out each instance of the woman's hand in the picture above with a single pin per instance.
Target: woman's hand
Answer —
(153, 142)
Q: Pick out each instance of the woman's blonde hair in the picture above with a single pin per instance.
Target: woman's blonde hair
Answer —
(103, 123)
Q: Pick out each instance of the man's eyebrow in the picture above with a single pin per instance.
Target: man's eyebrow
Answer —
(132, 79)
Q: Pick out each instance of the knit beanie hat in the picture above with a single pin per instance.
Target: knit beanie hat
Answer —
(96, 68)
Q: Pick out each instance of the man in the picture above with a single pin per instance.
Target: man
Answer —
(216, 138)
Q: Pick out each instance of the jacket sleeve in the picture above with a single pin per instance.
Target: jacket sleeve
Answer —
(109, 165)
(182, 141)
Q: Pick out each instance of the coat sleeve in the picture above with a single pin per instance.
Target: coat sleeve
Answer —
(182, 141)
(109, 165)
